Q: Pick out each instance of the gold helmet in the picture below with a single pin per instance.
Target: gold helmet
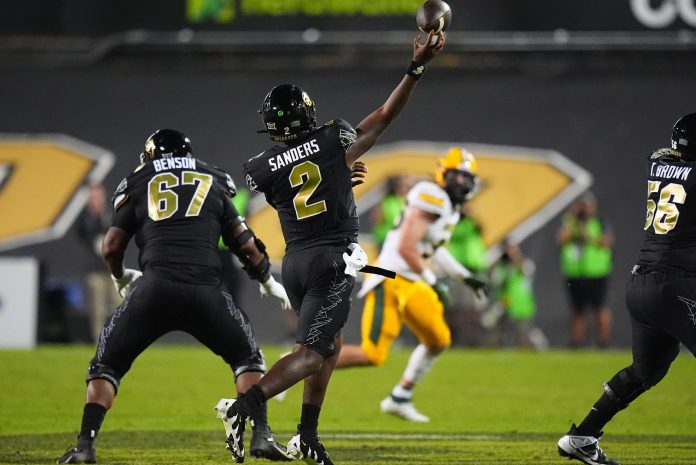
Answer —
(457, 173)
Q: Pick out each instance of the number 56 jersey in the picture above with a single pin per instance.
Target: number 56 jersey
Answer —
(669, 241)
(309, 185)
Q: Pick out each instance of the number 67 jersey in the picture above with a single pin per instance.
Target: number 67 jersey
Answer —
(176, 208)
(669, 243)
(309, 185)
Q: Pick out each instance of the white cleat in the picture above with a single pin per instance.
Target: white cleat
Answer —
(583, 448)
(405, 410)
(234, 428)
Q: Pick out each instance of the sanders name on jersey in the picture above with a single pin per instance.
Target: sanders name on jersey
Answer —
(294, 154)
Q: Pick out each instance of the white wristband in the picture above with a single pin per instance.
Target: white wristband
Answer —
(428, 276)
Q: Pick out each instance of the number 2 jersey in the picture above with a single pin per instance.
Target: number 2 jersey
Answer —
(309, 185)
(669, 241)
(176, 208)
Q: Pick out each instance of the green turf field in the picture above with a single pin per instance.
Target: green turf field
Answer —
(487, 407)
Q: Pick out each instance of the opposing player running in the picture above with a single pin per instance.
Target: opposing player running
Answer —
(177, 207)
(416, 297)
(660, 294)
(308, 181)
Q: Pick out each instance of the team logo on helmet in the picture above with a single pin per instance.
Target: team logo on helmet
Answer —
(307, 101)
(150, 148)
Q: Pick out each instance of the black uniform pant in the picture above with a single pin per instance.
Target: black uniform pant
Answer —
(157, 306)
(319, 291)
(663, 314)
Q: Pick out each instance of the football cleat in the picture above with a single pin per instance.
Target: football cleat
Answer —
(234, 422)
(263, 445)
(403, 409)
(308, 449)
(83, 452)
(583, 448)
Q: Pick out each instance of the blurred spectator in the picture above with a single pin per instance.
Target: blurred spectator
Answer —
(92, 224)
(389, 210)
(510, 317)
(468, 248)
(586, 263)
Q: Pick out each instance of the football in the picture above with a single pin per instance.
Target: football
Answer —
(434, 15)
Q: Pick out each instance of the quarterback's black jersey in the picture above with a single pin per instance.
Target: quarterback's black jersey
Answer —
(176, 207)
(309, 184)
(669, 242)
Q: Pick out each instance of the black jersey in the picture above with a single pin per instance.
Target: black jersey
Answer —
(309, 184)
(669, 242)
(176, 207)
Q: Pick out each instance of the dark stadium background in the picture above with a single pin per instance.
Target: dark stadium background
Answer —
(587, 79)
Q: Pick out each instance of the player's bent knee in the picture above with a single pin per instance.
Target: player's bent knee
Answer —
(253, 363)
(437, 349)
(625, 387)
(376, 358)
(101, 371)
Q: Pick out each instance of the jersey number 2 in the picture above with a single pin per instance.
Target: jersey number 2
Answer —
(308, 176)
(163, 202)
(663, 215)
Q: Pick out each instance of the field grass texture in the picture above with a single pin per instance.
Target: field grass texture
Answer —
(486, 407)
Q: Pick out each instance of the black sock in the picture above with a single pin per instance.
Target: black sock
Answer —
(603, 410)
(92, 417)
(261, 421)
(309, 421)
(254, 404)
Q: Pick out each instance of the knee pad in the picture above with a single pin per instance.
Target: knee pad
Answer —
(99, 371)
(624, 387)
(253, 363)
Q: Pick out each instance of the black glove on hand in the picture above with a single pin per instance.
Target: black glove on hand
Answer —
(478, 283)
(443, 292)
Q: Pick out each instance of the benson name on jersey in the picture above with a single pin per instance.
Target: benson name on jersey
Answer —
(294, 154)
(161, 164)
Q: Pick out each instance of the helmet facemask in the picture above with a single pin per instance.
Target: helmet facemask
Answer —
(460, 185)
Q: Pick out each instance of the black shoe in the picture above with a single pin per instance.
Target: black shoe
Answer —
(311, 450)
(263, 445)
(83, 452)
(583, 448)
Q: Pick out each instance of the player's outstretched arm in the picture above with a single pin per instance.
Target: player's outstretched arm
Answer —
(371, 128)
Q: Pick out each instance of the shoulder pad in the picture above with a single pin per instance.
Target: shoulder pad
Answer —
(666, 152)
(429, 197)
(120, 194)
(346, 133)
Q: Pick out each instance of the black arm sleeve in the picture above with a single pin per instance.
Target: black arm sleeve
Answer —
(232, 219)
(124, 217)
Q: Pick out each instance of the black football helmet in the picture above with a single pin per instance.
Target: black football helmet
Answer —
(288, 113)
(166, 143)
(684, 135)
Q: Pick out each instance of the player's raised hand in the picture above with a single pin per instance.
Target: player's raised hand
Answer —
(358, 171)
(423, 53)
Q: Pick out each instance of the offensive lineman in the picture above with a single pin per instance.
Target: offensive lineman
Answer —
(308, 182)
(177, 207)
(416, 297)
(660, 294)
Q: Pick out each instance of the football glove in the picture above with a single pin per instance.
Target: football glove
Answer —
(443, 292)
(478, 283)
(272, 288)
(123, 284)
(356, 261)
